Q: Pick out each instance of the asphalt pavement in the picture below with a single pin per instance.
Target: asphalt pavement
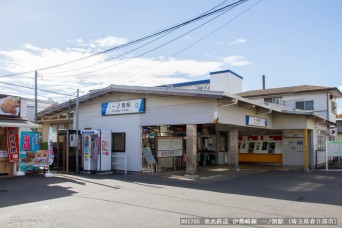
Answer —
(267, 196)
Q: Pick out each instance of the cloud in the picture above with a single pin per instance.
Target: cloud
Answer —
(111, 41)
(236, 61)
(135, 71)
(31, 47)
(238, 41)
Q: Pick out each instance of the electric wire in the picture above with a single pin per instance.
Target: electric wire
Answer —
(202, 38)
(43, 90)
(158, 47)
(130, 51)
(135, 41)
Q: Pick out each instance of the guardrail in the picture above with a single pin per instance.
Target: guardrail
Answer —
(121, 156)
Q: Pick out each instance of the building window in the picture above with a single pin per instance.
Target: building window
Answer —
(321, 140)
(333, 107)
(305, 105)
(119, 142)
(339, 128)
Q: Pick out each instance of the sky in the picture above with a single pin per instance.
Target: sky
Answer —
(290, 42)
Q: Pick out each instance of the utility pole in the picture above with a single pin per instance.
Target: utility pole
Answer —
(35, 98)
(76, 117)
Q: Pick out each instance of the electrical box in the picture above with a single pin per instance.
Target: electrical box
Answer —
(73, 140)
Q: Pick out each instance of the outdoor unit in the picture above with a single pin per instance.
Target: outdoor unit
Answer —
(278, 101)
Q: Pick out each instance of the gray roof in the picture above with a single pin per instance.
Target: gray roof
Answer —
(226, 99)
(291, 90)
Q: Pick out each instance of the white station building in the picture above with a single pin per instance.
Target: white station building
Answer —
(185, 127)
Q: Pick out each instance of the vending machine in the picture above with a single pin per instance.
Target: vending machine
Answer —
(96, 150)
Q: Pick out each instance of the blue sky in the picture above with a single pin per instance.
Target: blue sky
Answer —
(291, 42)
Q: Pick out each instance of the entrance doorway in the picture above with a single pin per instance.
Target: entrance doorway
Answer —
(66, 151)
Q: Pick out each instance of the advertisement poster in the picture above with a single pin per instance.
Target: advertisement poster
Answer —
(29, 144)
(9, 105)
(13, 143)
(41, 158)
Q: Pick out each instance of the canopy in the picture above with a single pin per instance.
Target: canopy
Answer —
(17, 123)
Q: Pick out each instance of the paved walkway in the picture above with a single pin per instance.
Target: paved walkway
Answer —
(162, 200)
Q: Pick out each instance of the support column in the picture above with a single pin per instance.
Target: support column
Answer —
(233, 154)
(306, 151)
(191, 151)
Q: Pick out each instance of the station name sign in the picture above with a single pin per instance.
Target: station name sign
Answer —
(123, 107)
(256, 121)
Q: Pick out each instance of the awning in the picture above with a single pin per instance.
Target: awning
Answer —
(18, 123)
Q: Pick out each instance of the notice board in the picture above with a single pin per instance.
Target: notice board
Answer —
(169, 147)
(334, 148)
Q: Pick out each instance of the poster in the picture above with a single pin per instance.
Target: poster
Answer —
(41, 158)
(13, 143)
(29, 144)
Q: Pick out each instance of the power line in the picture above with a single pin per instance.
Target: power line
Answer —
(43, 90)
(197, 41)
(160, 46)
(202, 16)
(132, 50)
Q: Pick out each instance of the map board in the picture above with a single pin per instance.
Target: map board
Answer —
(334, 148)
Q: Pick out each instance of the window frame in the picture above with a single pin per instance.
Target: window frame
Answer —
(305, 104)
(122, 146)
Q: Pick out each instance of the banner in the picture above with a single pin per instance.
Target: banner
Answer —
(50, 148)
(13, 143)
(29, 144)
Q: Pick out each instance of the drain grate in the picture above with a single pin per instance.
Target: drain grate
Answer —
(3, 190)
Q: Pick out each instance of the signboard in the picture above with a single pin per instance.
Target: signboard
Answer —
(29, 145)
(256, 121)
(170, 147)
(293, 133)
(13, 143)
(147, 153)
(334, 148)
(123, 107)
(3, 154)
(9, 105)
(41, 158)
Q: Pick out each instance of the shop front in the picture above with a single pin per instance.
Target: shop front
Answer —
(11, 125)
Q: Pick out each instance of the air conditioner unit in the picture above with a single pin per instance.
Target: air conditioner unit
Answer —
(278, 101)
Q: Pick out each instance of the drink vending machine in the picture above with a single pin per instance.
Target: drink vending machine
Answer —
(96, 150)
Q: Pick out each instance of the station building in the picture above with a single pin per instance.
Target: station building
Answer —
(186, 126)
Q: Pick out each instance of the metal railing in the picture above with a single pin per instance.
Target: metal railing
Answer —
(121, 156)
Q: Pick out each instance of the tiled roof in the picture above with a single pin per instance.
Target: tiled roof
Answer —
(288, 90)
